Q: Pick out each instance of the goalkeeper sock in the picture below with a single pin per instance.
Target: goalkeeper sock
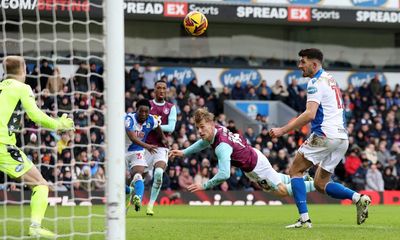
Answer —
(309, 187)
(157, 182)
(338, 191)
(300, 196)
(139, 185)
(39, 202)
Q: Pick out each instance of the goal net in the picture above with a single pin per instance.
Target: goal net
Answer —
(64, 45)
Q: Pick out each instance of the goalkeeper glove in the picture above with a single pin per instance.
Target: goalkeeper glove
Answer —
(65, 123)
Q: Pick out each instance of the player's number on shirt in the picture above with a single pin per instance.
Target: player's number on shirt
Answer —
(235, 137)
(338, 94)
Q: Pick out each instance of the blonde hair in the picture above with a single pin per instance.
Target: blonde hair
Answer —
(203, 114)
(12, 65)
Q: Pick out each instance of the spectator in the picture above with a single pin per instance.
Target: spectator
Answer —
(279, 91)
(202, 176)
(173, 179)
(193, 87)
(374, 179)
(251, 94)
(99, 179)
(149, 78)
(55, 83)
(95, 78)
(81, 82)
(185, 180)
(353, 162)
(225, 95)
(389, 180)
(359, 177)
(85, 179)
(294, 96)
(45, 72)
(238, 93)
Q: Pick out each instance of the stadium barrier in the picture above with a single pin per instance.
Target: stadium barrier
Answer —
(209, 198)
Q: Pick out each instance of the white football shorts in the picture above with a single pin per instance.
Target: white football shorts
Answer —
(135, 158)
(327, 152)
(264, 174)
(160, 155)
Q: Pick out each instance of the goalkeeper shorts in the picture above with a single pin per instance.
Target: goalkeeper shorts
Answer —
(13, 161)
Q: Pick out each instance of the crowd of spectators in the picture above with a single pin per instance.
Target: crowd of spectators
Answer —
(77, 160)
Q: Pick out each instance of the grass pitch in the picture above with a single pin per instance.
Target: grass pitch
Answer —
(217, 222)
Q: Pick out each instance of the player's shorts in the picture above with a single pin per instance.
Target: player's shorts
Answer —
(135, 158)
(160, 155)
(264, 174)
(327, 152)
(13, 161)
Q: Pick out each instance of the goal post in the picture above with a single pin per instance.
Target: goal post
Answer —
(114, 73)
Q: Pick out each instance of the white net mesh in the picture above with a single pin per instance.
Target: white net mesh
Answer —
(62, 44)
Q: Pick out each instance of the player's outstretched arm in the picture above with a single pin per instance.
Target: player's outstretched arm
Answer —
(41, 118)
(223, 152)
(198, 146)
(307, 116)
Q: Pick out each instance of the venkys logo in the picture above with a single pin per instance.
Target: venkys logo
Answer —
(183, 74)
(230, 76)
(368, 3)
(304, 2)
(358, 78)
(301, 81)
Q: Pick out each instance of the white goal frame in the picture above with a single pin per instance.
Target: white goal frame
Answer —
(115, 137)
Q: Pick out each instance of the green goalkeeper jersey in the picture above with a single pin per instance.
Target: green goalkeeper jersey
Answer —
(16, 96)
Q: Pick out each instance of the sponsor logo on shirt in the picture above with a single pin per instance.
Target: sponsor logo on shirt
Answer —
(312, 90)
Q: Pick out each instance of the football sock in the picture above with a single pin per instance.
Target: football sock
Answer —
(299, 194)
(338, 191)
(285, 178)
(39, 202)
(139, 185)
(309, 187)
(127, 190)
(157, 182)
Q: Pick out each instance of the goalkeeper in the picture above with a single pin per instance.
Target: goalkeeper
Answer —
(14, 94)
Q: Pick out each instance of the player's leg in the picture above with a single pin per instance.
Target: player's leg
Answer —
(286, 178)
(298, 187)
(160, 164)
(39, 202)
(15, 164)
(324, 184)
(138, 185)
(137, 165)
